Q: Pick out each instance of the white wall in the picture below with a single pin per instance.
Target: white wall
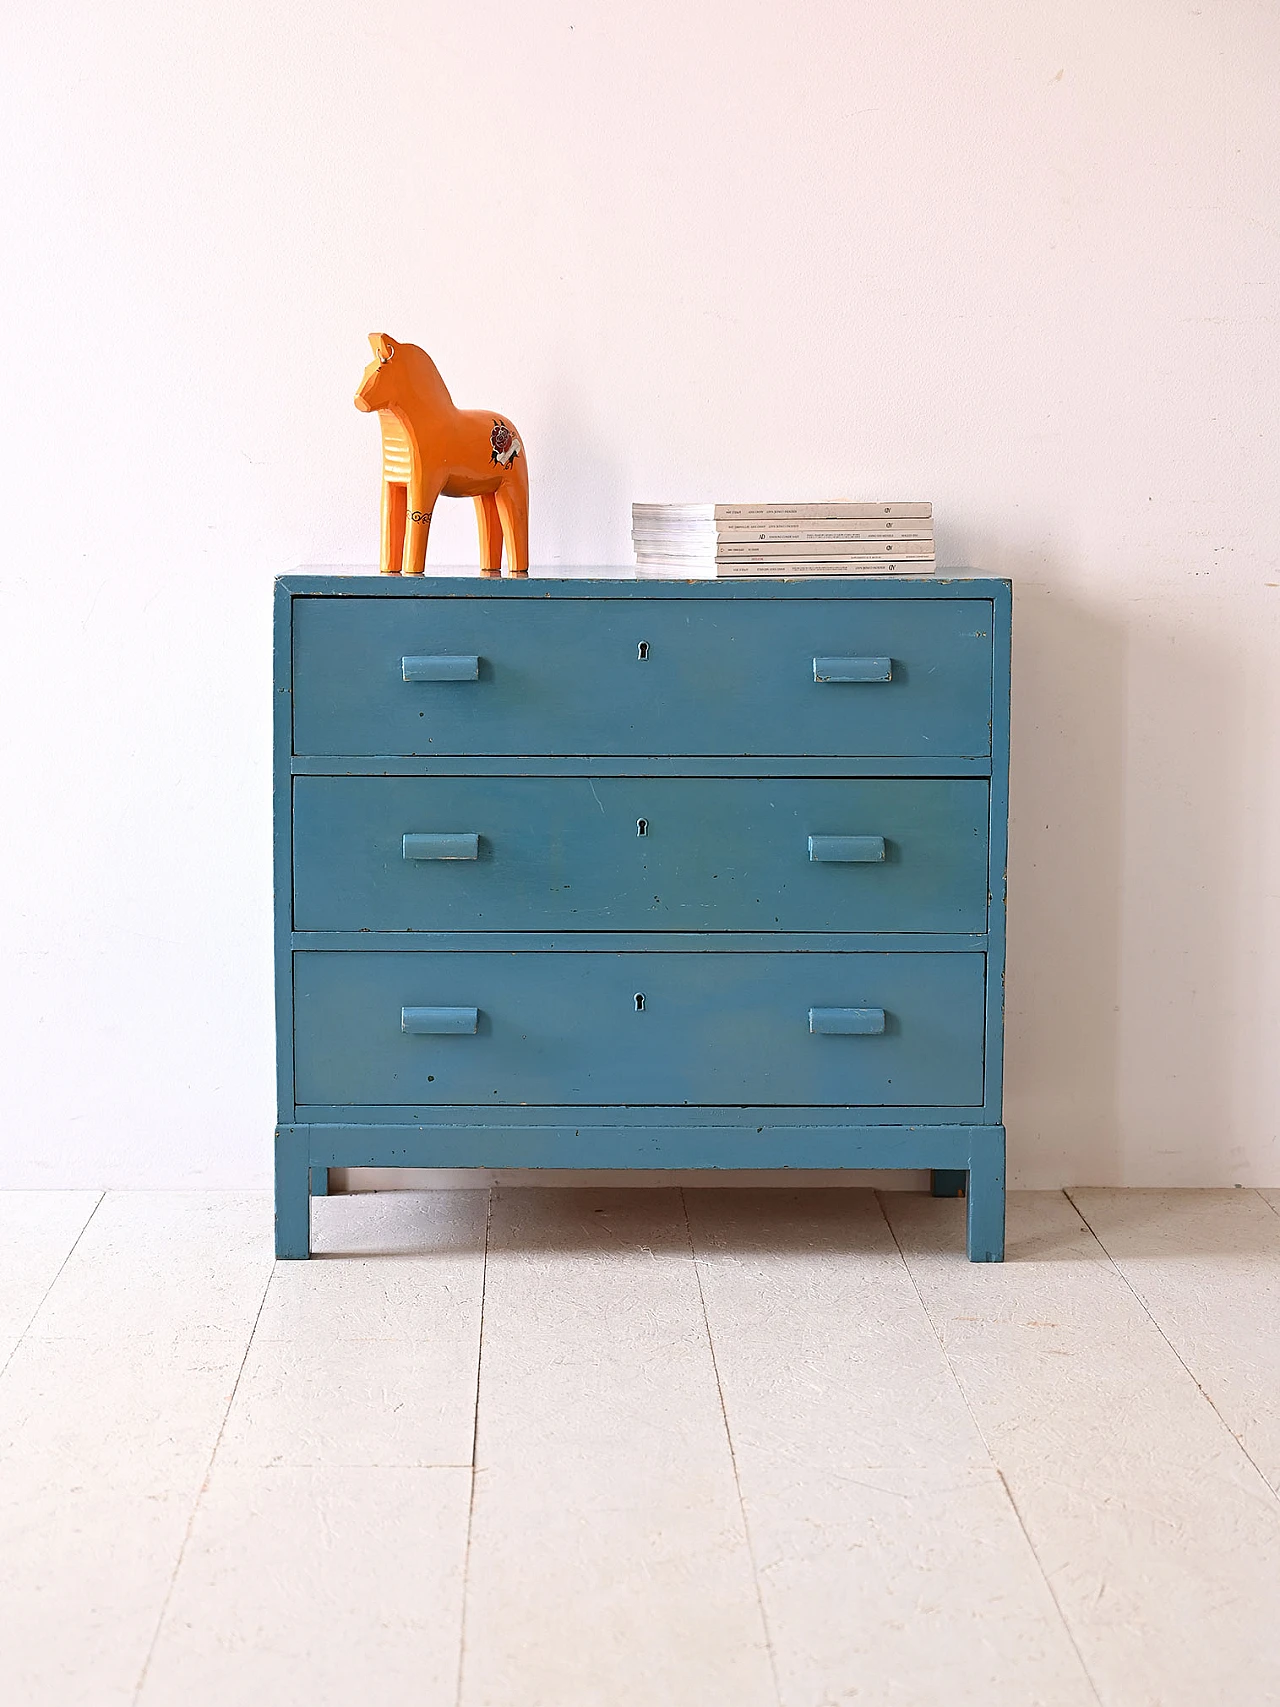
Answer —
(1022, 260)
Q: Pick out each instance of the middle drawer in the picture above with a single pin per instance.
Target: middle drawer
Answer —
(640, 853)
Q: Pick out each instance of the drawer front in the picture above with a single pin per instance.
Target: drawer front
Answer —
(640, 853)
(420, 676)
(828, 1030)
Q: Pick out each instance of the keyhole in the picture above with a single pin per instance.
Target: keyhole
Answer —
(642, 650)
(639, 1003)
(642, 826)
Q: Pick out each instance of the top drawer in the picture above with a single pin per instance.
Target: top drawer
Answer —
(414, 677)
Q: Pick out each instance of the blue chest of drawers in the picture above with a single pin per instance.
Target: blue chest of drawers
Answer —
(591, 874)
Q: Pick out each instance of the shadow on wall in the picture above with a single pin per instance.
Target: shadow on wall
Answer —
(1184, 977)
(583, 492)
(1124, 792)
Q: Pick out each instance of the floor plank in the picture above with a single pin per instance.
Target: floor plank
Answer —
(1160, 1539)
(608, 1559)
(152, 1264)
(892, 1564)
(317, 1588)
(367, 1355)
(1206, 1265)
(37, 1232)
(109, 1413)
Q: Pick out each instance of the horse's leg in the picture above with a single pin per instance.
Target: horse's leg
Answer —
(513, 507)
(423, 493)
(489, 526)
(394, 504)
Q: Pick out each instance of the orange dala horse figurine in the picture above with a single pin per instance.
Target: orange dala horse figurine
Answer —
(429, 448)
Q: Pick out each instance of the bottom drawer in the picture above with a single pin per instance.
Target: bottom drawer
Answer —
(655, 1029)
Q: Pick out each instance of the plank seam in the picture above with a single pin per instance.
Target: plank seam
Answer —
(202, 1491)
(475, 1438)
(1013, 1504)
(733, 1456)
(1270, 1486)
(44, 1296)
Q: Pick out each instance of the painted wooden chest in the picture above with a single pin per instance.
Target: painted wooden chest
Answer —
(613, 873)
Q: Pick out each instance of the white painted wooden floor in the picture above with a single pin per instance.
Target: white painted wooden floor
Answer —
(640, 1448)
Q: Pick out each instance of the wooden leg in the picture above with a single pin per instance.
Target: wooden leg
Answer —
(424, 490)
(293, 1193)
(319, 1182)
(513, 507)
(395, 503)
(946, 1182)
(985, 1203)
(489, 527)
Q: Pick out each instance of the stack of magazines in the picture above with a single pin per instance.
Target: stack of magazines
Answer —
(758, 540)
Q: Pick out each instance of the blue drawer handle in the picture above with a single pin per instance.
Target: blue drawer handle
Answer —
(441, 667)
(852, 669)
(442, 845)
(846, 1022)
(845, 850)
(440, 1022)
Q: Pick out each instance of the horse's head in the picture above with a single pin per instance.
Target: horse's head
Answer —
(378, 389)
